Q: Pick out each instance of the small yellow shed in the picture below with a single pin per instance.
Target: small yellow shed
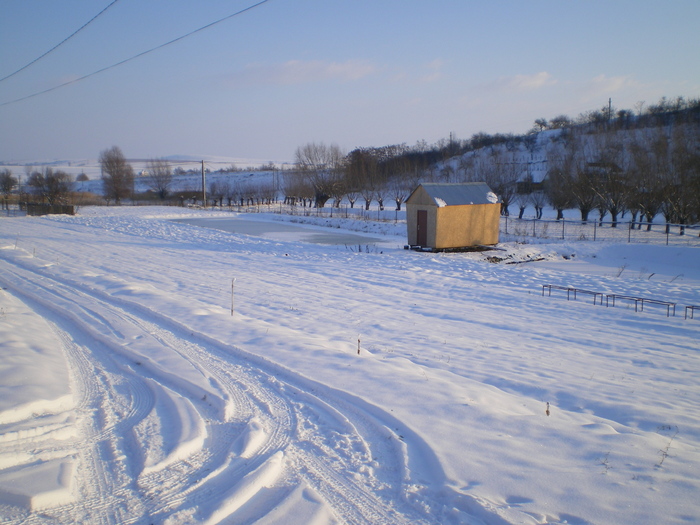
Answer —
(452, 216)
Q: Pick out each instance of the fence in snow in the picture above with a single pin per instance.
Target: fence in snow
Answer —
(595, 230)
(518, 229)
(610, 299)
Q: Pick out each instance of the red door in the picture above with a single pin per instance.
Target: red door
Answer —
(422, 228)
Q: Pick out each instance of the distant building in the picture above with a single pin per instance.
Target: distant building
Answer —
(452, 216)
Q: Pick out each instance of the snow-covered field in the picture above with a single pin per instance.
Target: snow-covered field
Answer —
(139, 383)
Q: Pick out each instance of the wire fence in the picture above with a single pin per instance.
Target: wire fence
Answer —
(596, 230)
(11, 210)
(516, 229)
(522, 229)
(511, 229)
(328, 212)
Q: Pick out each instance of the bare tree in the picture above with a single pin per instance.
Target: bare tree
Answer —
(447, 173)
(681, 184)
(538, 199)
(267, 192)
(608, 175)
(362, 174)
(380, 193)
(321, 165)
(561, 171)
(649, 154)
(569, 180)
(523, 200)
(230, 194)
(160, 176)
(465, 169)
(52, 186)
(7, 184)
(399, 192)
(560, 122)
(352, 197)
(540, 124)
(218, 190)
(501, 172)
(368, 195)
(297, 188)
(525, 189)
(117, 175)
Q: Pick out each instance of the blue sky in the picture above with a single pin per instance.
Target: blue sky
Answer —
(353, 72)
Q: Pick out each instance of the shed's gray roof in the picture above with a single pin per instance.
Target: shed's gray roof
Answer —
(460, 193)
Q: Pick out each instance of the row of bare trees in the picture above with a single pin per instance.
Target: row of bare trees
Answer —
(324, 173)
(389, 174)
(645, 172)
(118, 176)
(238, 193)
(45, 185)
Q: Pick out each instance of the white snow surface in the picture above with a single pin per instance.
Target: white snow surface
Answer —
(327, 385)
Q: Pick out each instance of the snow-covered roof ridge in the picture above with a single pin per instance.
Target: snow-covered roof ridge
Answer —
(456, 194)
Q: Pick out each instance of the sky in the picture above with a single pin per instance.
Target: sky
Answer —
(353, 72)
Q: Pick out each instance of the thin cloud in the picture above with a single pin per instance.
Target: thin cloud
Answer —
(602, 87)
(435, 71)
(525, 82)
(604, 84)
(302, 72)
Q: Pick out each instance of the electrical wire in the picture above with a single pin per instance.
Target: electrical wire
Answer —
(122, 62)
(61, 42)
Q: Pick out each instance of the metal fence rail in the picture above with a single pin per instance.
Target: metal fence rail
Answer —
(610, 299)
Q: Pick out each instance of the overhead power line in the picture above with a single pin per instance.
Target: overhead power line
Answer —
(61, 42)
(76, 80)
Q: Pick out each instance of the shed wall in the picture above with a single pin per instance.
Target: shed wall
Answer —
(412, 222)
(468, 225)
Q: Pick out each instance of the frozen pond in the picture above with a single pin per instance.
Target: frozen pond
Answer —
(282, 231)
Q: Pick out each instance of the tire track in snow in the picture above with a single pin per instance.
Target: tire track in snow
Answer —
(109, 401)
(171, 478)
(260, 389)
(357, 502)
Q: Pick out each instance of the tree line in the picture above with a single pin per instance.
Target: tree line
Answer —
(646, 172)
(646, 162)
(609, 161)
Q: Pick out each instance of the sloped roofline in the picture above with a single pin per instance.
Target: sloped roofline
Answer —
(458, 193)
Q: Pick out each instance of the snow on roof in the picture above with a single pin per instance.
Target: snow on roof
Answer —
(456, 194)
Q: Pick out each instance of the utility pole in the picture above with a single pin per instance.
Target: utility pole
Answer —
(204, 187)
(610, 109)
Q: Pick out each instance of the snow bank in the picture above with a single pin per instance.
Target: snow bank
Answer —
(26, 340)
(40, 486)
(248, 487)
(185, 431)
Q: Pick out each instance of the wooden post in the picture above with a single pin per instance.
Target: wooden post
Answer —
(595, 223)
(232, 283)
(204, 187)
(562, 229)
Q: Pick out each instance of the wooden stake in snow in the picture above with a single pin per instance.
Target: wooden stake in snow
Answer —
(232, 283)
(204, 187)
(358, 345)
